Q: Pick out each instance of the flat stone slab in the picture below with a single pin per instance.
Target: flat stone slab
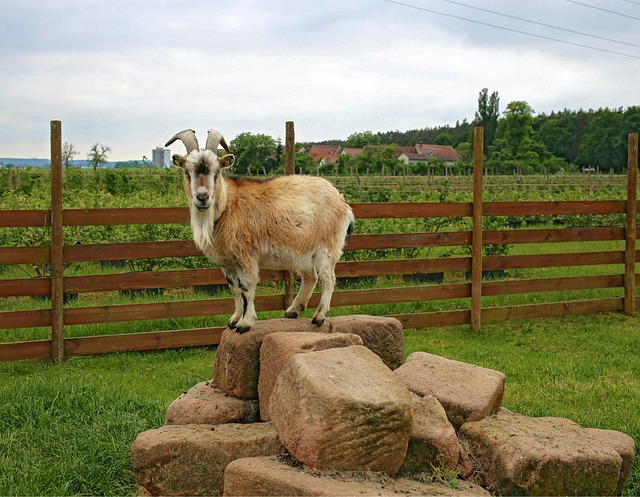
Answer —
(467, 392)
(267, 476)
(519, 455)
(205, 404)
(236, 366)
(342, 409)
(190, 459)
(278, 347)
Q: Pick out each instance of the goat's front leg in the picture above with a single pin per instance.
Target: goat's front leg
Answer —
(239, 306)
(243, 285)
(249, 315)
(232, 280)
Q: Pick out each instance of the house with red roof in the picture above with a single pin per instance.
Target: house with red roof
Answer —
(351, 151)
(328, 154)
(445, 153)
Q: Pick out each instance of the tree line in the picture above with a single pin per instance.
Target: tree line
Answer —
(516, 139)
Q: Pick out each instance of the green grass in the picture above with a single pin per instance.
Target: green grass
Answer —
(67, 429)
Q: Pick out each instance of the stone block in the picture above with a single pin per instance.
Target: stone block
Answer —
(467, 392)
(519, 455)
(205, 404)
(190, 459)
(342, 409)
(267, 476)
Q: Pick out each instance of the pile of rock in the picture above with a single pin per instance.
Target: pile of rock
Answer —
(294, 409)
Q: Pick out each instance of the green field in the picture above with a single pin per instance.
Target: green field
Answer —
(67, 429)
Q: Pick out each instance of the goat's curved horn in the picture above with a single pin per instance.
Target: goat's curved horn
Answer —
(214, 138)
(188, 137)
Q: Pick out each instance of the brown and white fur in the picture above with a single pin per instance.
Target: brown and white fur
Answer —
(296, 223)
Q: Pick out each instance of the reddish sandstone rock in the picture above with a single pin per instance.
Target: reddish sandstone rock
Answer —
(519, 455)
(190, 459)
(342, 409)
(467, 392)
(278, 347)
(205, 404)
(267, 476)
(433, 441)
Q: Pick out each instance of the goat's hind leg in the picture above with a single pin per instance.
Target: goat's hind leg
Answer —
(328, 278)
(299, 304)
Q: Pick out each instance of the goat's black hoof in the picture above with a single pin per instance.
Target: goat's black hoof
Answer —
(232, 325)
(291, 315)
(317, 322)
(242, 329)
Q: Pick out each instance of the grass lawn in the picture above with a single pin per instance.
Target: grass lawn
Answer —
(67, 429)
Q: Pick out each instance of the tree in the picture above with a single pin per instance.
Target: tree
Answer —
(443, 139)
(605, 143)
(254, 153)
(559, 135)
(279, 151)
(68, 152)
(98, 155)
(304, 163)
(377, 160)
(487, 116)
(465, 152)
(517, 147)
(516, 129)
(362, 139)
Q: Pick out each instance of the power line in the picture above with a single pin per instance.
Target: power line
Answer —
(603, 10)
(631, 1)
(512, 30)
(541, 23)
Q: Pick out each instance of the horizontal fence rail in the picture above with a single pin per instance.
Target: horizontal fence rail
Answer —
(460, 289)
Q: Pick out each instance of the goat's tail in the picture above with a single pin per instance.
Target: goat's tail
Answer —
(351, 227)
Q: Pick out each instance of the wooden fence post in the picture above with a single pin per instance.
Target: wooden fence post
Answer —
(476, 240)
(630, 227)
(56, 248)
(289, 168)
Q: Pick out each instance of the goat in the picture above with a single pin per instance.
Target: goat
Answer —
(296, 223)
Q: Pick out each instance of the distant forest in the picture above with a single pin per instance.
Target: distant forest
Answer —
(518, 139)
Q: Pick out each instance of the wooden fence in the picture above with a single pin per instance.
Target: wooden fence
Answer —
(57, 255)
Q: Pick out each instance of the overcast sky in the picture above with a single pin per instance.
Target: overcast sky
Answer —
(131, 74)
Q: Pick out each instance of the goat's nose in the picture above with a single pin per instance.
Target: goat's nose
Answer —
(202, 196)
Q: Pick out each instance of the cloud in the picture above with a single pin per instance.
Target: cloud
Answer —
(131, 74)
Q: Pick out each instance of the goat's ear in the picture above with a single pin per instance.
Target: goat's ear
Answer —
(227, 161)
(178, 160)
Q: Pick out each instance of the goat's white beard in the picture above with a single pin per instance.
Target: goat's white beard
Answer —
(202, 226)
